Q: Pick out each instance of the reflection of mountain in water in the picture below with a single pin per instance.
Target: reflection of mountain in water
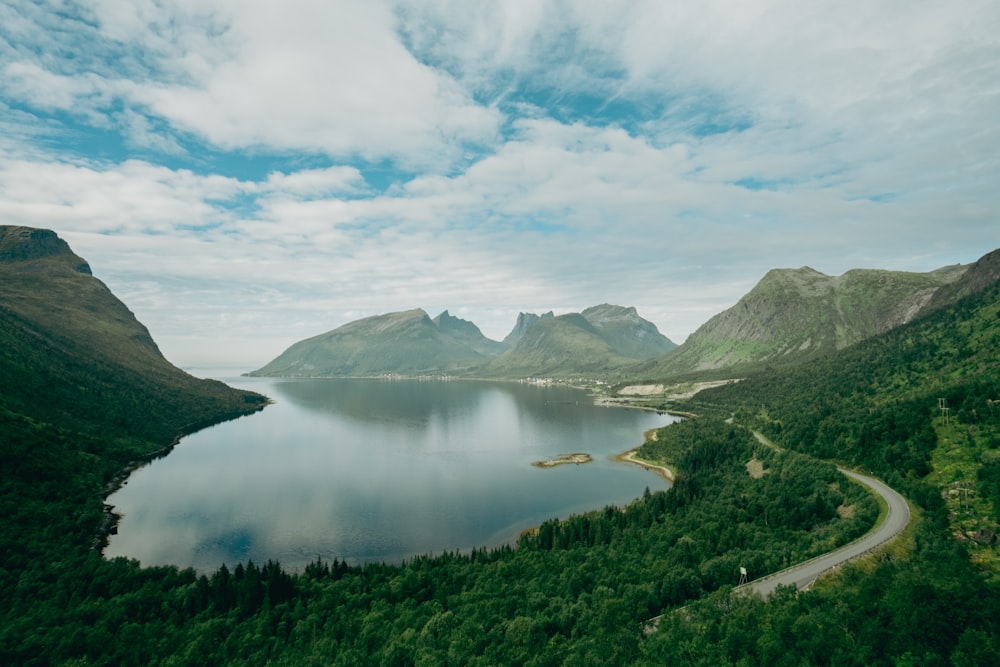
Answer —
(374, 469)
(409, 402)
(417, 403)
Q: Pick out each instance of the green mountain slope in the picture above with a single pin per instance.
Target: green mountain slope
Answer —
(918, 406)
(407, 342)
(84, 392)
(468, 334)
(873, 404)
(597, 341)
(600, 339)
(74, 356)
(557, 346)
(799, 313)
(626, 332)
(524, 322)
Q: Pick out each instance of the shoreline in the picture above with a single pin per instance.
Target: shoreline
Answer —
(109, 526)
(564, 459)
(631, 457)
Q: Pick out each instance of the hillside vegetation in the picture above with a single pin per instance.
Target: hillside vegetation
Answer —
(796, 314)
(84, 392)
(598, 340)
(76, 408)
(917, 406)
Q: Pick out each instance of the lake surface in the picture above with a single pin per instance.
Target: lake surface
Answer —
(377, 470)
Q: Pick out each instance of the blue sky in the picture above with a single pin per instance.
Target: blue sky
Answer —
(245, 174)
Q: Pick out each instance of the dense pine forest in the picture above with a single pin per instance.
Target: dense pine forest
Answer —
(916, 406)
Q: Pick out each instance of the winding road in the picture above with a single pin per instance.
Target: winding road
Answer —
(803, 574)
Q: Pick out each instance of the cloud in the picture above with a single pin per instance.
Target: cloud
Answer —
(316, 182)
(244, 175)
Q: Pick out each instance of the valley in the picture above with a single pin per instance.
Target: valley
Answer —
(890, 373)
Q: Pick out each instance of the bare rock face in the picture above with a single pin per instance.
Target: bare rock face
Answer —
(976, 278)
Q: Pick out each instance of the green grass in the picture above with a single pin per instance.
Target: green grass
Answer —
(955, 464)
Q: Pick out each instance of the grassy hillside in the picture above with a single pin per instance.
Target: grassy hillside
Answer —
(563, 346)
(905, 404)
(795, 314)
(601, 339)
(84, 393)
(573, 592)
(933, 599)
(407, 342)
(75, 357)
(468, 334)
(626, 332)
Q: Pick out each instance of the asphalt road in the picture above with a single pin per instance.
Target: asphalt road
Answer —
(803, 574)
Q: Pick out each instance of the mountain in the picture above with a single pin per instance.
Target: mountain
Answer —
(601, 338)
(919, 401)
(407, 342)
(72, 354)
(626, 332)
(919, 407)
(598, 340)
(982, 275)
(794, 313)
(468, 334)
(84, 395)
(524, 322)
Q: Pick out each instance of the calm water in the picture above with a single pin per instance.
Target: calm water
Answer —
(377, 470)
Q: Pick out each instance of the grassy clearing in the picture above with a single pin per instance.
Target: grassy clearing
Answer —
(955, 464)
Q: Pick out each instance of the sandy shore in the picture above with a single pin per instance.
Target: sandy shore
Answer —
(631, 456)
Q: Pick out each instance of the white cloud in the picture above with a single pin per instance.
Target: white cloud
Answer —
(328, 77)
(540, 155)
(316, 182)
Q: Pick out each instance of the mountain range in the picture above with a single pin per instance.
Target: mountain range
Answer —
(790, 315)
(599, 340)
(52, 307)
(85, 394)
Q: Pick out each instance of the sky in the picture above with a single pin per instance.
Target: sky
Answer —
(244, 174)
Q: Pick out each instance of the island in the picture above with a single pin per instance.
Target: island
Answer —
(563, 459)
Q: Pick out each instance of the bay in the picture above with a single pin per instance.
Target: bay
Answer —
(377, 470)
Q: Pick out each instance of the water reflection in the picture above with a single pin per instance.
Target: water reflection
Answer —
(376, 470)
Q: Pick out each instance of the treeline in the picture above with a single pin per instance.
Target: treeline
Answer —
(878, 406)
(932, 609)
(574, 591)
(872, 405)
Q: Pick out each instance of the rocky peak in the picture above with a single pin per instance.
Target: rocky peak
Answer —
(606, 312)
(23, 244)
(524, 322)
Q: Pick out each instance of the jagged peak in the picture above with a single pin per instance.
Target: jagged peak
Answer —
(446, 317)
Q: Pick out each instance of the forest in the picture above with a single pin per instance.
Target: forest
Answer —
(576, 591)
